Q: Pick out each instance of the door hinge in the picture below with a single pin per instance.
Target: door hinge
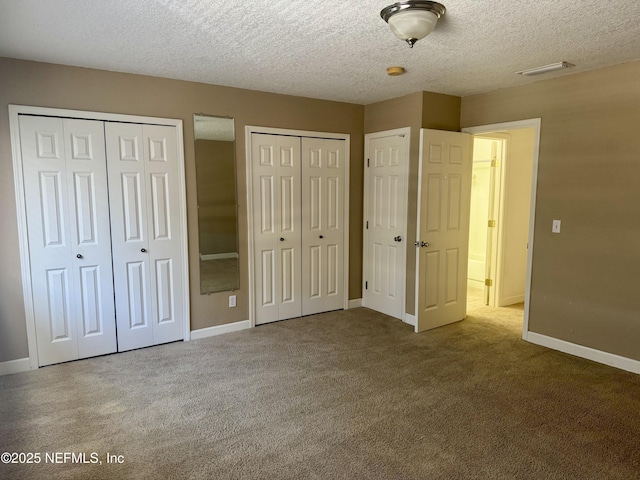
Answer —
(367, 162)
(367, 224)
(491, 223)
(494, 163)
(488, 282)
(366, 285)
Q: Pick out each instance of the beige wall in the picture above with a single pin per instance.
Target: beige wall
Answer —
(40, 84)
(585, 279)
(418, 110)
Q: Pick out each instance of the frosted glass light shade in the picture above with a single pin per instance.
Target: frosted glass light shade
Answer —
(415, 24)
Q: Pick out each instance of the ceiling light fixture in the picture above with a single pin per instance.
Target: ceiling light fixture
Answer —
(412, 20)
(545, 69)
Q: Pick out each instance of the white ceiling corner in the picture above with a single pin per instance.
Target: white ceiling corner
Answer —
(331, 50)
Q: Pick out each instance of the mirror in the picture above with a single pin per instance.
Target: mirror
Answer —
(217, 204)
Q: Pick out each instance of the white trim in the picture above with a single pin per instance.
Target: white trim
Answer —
(418, 214)
(404, 132)
(23, 239)
(15, 366)
(506, 301)
(599, 356)
(220, 329)
(251, 129)
(25, 266)
(218, 256)
(355, 303)
(501, 127)
(410, 319)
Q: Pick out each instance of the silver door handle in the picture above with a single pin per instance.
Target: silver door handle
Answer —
(78, 256)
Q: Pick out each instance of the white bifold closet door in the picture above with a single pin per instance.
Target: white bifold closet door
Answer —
(298, 215)
(147, 259)
(323, 190)
(65, 181)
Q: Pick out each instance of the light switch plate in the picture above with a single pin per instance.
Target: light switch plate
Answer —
(232, 301)
(555, 226)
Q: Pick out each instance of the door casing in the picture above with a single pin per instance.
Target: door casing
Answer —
(515, 125)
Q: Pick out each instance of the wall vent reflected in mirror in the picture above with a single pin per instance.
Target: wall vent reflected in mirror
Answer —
(217, 203)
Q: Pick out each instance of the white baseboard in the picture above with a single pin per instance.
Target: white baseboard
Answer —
(599, 356)
(219, 329)
(512, 300)
(410, 319)
(15, 366)
(218, 256)
(355, 303)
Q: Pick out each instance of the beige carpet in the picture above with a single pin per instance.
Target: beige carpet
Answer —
(345, 395)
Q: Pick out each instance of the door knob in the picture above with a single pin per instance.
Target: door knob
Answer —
(143, 250)
(282, 239)
(78, 256)
(398, 238)
(424, 244)
(321, 236)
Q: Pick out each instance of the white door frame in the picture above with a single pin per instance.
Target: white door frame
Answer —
(251, 129)
(18, 181)
(404, 132)
(500, 127)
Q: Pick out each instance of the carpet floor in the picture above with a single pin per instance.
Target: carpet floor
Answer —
(344, 395)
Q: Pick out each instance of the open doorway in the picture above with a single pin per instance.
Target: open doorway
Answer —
(501, 218)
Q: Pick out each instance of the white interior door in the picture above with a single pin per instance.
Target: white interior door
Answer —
(147, 259)
(445, 188)
(277, 227)
(385, 224)
(323, 178)
(69, 240)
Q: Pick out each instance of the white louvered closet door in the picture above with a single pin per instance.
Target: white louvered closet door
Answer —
(323, 190)
(147, 259)
(65, 182)
(276, 217)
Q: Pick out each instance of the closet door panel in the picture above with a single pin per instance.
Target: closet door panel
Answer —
(323, 174)
(265, 218)
(164, 240)
(90, 237)
(70, 253)
(44, 170)
(130, 245)
(276, 212)
(288, 227)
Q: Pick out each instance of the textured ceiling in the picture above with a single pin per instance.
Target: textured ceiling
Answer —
(329, 49)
